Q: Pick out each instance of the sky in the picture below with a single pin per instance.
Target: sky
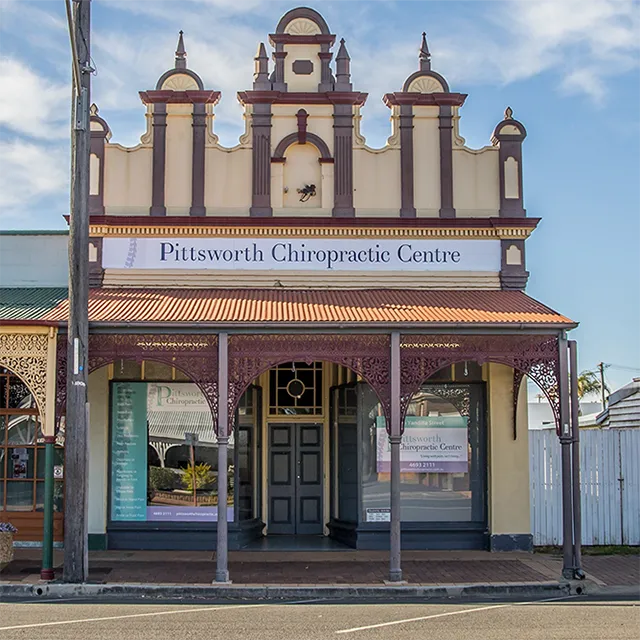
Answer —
(569, 69)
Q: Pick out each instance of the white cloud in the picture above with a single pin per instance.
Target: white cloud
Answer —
(525, 38)
(28, 173)
(32, 105)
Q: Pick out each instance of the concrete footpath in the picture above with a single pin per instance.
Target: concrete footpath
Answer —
(281, 575)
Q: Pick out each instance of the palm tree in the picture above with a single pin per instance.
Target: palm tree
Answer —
(589, 382)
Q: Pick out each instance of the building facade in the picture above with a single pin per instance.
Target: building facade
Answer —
(302, 335)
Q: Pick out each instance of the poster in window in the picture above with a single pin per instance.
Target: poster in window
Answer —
(433, 444)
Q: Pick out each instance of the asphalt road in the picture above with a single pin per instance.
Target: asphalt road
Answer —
(568, 618)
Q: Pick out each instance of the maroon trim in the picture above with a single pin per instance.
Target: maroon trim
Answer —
(96, 272)
(47, 574)
(287, 38)
(199, 123)
(424, 99)
(278, 56)
(293, 221)
(407, 208)
(302, 12)
(446, 162)
(327, 97)
(281, 160)
(302, 117)
(169, 96)
(294, 138)
(261, 161)
(343, 156)
(425, 73)
(181, 70)
(510, 146)
(49, 439)
(159, 160)
(513, 276)
(326, 160)
(96, 147)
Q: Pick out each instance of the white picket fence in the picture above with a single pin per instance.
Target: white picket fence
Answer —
(609, 485)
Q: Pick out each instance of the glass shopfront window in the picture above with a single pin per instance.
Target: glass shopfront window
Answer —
(164, 453)
(22, 451)
(441, 457)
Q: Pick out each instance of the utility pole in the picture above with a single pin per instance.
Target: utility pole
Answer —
(76, 556)
(602, 385)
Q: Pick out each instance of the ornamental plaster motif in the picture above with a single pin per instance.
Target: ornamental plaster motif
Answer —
(503, 233)
(180, 82)
(426, 84)
(302, 27)
(26, 356)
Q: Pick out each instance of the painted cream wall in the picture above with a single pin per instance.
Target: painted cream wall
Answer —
(227, 181)
(179, 159)
(302, 167)
(376, 182)
(299, 82)
(301, 279)
(127, 179)
(508, 458)
(284, 122)
(426, 161)
(98, 397)
(476, 186)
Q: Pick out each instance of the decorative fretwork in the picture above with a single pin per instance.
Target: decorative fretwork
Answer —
(194, 355)
(367, 355)
(534, 355)
(25, 354)
(457, 395)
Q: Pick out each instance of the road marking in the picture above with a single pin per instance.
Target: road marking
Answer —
(448, 613)
(150, 614)
(131, 615)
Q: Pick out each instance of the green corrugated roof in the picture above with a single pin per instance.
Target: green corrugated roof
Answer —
(29, 303)
(34, 232)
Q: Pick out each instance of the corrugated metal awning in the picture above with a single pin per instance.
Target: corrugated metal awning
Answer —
(275, 306)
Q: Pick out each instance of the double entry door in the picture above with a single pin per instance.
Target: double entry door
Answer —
(295, 479)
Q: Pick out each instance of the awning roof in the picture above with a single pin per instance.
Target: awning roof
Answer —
(30, 303)
(286, 306)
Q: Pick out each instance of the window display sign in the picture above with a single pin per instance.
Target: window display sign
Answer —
(129, 452)
(433, 444)
(20, 461)
(164, 454)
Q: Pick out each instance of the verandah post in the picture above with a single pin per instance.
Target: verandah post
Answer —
(575, 449)
(395, 437)
(222, 566)
(46, 571)
(566, 439)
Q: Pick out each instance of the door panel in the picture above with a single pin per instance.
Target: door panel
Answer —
(295, 479)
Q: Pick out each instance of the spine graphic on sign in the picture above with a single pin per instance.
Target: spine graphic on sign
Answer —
(131, 256)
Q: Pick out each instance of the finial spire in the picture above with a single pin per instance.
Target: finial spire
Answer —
(425, 56)
(508, 113)
(261, 69)
(181, 54)
(343, 69)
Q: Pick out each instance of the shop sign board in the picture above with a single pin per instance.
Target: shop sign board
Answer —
(433, 444)
(309, 254)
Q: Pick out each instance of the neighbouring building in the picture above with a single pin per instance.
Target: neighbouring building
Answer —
(623, 408)
(306, 315)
